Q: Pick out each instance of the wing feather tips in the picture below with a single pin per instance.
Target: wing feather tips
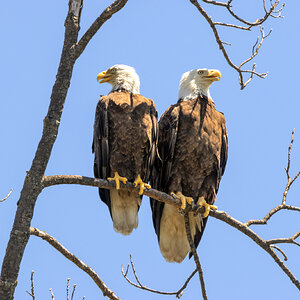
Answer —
(101, 147)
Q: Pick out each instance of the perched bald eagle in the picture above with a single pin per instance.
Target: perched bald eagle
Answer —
(125, 139)
(192, 147)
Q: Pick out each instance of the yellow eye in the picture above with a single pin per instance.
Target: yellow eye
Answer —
(200, 72)
(113, 70)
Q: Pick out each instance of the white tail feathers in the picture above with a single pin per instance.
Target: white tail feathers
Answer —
(124, 210)
(173, 241)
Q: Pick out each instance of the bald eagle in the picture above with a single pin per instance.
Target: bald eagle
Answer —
(124, 143)
(192, 147)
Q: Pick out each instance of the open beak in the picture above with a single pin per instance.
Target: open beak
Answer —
(103, 77)
(214, 75)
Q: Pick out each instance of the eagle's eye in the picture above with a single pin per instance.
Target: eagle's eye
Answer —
(200, 72)
(113, 70)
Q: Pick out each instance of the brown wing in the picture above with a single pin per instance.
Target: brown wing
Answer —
(168, 127)
(125, 138)
(101, 147)
(211, 183)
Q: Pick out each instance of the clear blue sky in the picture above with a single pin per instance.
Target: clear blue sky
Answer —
(161, 39)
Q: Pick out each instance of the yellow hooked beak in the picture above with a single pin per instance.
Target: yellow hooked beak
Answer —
(104, 76)
(214, 75)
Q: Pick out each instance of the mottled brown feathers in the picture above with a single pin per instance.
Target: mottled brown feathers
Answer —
(192, 145)
(125, 136)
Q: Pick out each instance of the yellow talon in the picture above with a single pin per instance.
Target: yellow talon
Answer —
(183, 200)
(117, 178)
(142, 184)
(201, 202)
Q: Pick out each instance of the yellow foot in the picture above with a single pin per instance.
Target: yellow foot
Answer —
(117, 178)
(183, 200)
(142, 184)
(201, 202)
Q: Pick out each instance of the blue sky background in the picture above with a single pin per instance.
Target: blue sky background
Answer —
(161, 39)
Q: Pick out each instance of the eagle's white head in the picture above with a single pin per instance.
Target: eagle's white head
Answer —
(121, 77)
(197, 82)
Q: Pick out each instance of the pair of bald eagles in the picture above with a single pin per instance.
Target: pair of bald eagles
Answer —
(184, 154)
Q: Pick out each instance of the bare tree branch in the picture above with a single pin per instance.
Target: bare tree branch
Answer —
(178, 293)
(33, 181)
(104, 16)
(73, 292)
(32, 287)
(80, 264)
(52, 295)
(256, 47)
(283, 204)
(195, 254)
(2, 200)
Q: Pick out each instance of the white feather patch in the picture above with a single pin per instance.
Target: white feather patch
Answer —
(124, 210)
(173, 241)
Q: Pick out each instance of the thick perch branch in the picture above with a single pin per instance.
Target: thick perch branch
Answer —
(163, 197)
(257, 45)
(80, 264)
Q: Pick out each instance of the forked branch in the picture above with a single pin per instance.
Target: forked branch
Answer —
(272, 12)
(80, 264)
(267, 245)
(139, 285)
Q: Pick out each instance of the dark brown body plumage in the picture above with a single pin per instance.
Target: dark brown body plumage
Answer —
(125, 137)
(192, 145)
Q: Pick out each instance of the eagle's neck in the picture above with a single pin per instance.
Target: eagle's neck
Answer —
(191, 90)
(127, 83)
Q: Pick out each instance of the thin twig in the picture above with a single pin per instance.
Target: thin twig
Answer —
(143, 287)
(68, 284)
(73, 292)
(281, 251)
(53, 242)
(32, 287)
(194, 252)
(256, 47)
(52, 295)
(1, 200)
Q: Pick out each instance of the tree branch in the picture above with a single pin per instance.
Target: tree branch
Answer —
(256, 47)
(33, 181)
(195, 254)
(143, 287)
(104, 16)
(80, 264)
(32, 287)
(2, 200)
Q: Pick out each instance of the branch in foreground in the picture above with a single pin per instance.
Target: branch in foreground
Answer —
(195, 254)
(84, 267)
(178, 294)
(2, 200)
(257, 45)
(163, 197)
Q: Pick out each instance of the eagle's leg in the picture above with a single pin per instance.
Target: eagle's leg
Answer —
(117, 178)
(201, 202)
(183, 200)
(142, 184)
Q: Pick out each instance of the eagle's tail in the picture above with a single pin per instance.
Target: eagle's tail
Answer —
(124, 210)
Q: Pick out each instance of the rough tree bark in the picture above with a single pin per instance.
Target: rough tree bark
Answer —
(33, 181)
